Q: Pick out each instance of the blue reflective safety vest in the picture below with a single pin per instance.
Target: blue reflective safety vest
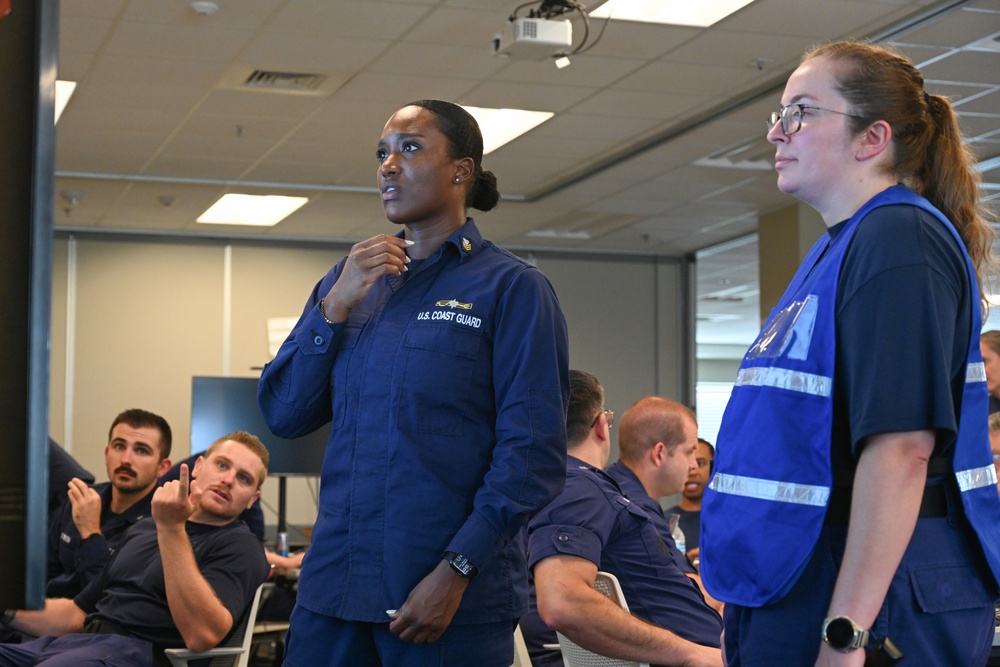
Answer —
(764, 507)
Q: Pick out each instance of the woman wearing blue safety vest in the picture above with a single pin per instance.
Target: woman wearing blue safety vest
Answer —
(854, 497)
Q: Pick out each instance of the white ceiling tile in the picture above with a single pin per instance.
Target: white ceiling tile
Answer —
(155, 100)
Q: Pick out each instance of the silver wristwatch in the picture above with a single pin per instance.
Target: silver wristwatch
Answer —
(843, 634)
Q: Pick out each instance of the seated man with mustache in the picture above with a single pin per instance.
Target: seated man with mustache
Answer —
(181, 578)
(84, 534)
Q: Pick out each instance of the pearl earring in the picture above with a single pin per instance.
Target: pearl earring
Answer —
(457, 179)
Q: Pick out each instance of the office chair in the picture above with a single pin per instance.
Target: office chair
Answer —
(575, 655)
(235, 652)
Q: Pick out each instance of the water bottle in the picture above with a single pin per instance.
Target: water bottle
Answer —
(677, 533)
(282, 543)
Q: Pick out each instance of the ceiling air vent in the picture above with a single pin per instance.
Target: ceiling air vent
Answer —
(284, 82)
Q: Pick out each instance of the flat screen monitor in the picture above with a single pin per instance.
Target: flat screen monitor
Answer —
(221, 405)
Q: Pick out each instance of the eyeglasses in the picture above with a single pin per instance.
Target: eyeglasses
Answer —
(791, 117)
(608, 414)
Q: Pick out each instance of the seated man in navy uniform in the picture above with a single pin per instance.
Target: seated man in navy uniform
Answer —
(658, 450)
(84, 534)
(592, 526)
(253, 517)
(181, 578)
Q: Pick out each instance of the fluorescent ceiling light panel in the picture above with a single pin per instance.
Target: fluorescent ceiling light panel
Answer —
(64, 91)
(502, 125)
(581, 235)
(259, 210)
(699, 13)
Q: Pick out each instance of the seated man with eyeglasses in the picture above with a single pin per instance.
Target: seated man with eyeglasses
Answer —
(594, 526)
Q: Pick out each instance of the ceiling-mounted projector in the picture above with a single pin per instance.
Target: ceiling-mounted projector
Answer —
(534, 39)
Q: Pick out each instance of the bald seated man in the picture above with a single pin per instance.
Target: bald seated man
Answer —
(658, 450)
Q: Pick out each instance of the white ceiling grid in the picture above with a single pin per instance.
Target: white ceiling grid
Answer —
(156, 116)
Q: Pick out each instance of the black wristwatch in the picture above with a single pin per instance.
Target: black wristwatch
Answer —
(461, 565)
(844, 635)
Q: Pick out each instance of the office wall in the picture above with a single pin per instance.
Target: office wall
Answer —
(134, 318)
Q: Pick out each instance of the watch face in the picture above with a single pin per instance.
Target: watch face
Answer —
(461, 564)
(840, 633)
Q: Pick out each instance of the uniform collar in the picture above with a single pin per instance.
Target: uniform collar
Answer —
(573, 463)
(466, 240)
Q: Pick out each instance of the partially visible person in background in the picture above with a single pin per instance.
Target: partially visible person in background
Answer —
(989, 345)
(994, 422)
(689, 509)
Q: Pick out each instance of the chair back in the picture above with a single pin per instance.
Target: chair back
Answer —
(575, 655)
(242, 636)
(234, 652)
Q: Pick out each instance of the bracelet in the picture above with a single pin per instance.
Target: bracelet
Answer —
(322, 311)
(7, 617)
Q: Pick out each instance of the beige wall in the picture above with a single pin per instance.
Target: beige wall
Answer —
(135, 318)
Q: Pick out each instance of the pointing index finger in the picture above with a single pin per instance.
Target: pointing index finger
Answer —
(184, 480)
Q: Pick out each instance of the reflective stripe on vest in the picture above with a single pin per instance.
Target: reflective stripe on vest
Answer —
(975, 372)
(766, 489)
(976, 478)
(782, 378)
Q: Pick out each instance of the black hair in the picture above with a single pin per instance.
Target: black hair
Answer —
(586, 401)
(137, 418)
(465, 140)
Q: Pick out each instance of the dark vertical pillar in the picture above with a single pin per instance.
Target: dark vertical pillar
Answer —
(28, 57)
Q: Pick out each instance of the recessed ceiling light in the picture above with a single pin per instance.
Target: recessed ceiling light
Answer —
(701, 13)
(64, 91)
(581, 235)
(259, 210)
(500, 126)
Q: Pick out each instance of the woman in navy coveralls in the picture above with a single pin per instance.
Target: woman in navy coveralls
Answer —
(442, 362)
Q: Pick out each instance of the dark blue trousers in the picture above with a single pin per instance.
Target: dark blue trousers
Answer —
(315, 640)
(79, 650)
(938, 611)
